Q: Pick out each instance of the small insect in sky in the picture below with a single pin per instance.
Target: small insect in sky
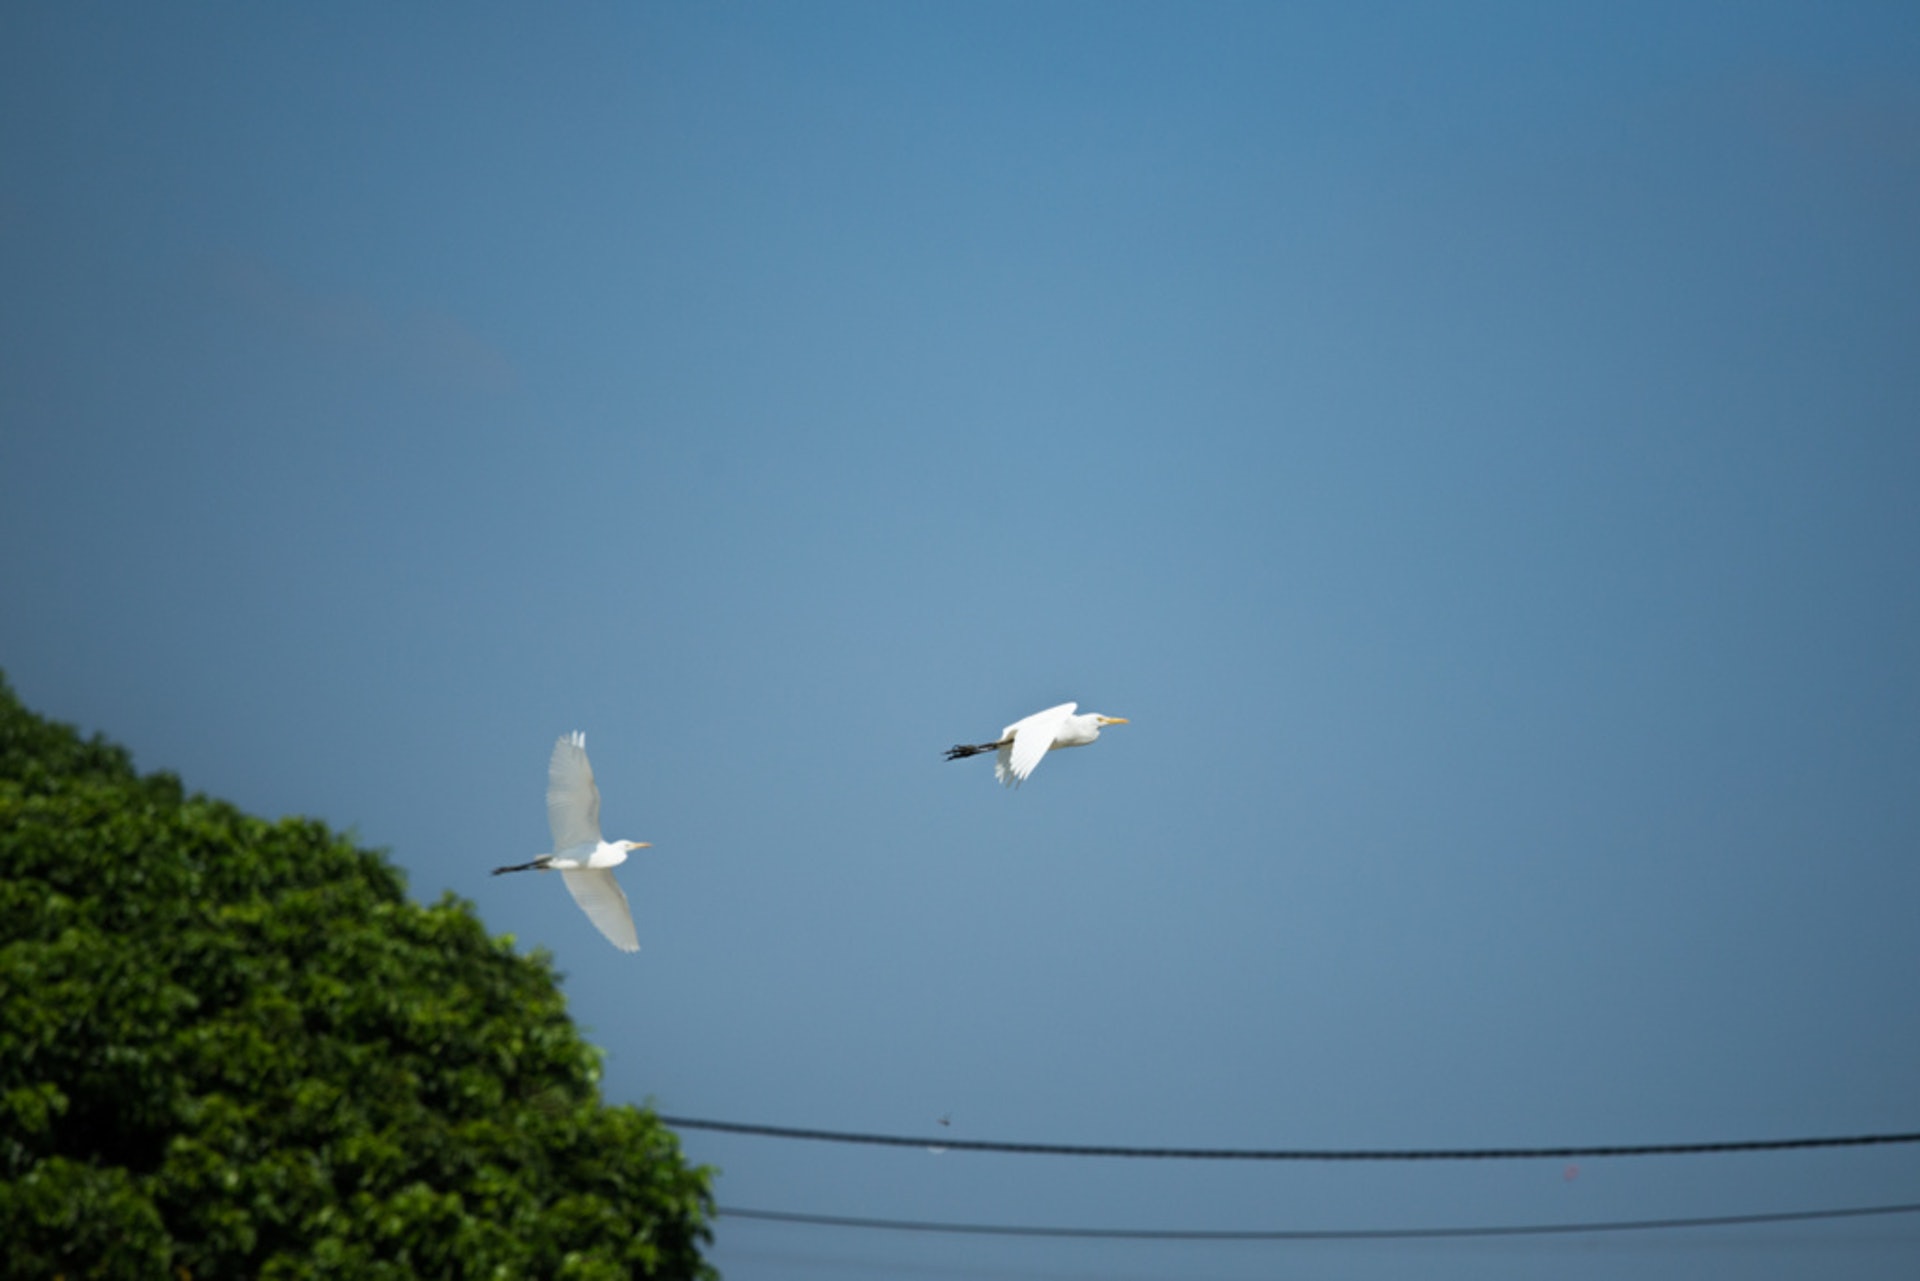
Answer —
(945, 1118)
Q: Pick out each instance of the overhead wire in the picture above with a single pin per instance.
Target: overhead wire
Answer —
(1317, 1234)
(1563, 1152)
(944, 1143)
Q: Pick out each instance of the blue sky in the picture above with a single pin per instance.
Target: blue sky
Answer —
(1476, 445)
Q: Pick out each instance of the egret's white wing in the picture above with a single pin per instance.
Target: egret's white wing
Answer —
(601, 898)
(1031, 739)
(573, 802)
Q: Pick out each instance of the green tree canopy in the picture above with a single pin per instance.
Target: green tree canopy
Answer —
(232, 1048)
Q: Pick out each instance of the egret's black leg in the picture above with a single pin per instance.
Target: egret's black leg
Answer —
(962, 751)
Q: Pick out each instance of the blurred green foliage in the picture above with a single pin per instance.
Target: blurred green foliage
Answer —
(233, 1048)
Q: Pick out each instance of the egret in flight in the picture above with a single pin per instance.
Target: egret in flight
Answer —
(1023, 743)
(582, 857)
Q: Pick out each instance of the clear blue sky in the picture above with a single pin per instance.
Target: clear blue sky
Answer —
(1477, 445)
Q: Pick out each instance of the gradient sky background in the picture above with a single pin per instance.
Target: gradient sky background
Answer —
(1478, 445)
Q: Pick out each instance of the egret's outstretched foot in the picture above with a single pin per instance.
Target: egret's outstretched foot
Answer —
(961, 751)
(534, 866)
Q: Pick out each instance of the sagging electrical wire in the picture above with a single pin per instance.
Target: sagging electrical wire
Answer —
(1565, 1152)
(1317, 1234)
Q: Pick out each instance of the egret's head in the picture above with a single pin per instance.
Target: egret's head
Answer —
(1111, 720)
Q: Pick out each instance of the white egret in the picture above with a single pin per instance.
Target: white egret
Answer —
(581, 856)
(1023, 743)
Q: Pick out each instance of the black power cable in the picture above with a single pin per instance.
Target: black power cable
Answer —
(1289, 1154)
(1316, 1234)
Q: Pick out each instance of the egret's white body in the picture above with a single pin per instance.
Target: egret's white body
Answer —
(1022, 744)
(580, 854)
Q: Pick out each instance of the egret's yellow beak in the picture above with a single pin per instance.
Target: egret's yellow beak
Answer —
(1113, 720)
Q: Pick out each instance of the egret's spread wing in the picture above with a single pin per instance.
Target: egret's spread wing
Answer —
(1031, 739)
(601, 898)
(573, 802)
